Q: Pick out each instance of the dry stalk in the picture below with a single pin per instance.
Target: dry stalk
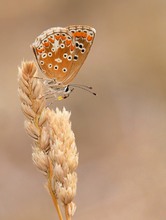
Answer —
(54, 149)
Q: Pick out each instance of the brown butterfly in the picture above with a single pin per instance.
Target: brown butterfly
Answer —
(60, 53)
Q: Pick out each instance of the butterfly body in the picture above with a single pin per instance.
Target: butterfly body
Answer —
(60, 53)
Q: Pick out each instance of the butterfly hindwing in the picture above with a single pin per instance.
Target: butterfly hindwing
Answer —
(54, 50)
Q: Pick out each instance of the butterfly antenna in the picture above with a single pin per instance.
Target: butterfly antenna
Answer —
(83, 87)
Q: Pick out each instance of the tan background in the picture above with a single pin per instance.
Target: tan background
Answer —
(121, 133)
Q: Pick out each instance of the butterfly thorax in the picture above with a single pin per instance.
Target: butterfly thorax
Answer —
(56, 90)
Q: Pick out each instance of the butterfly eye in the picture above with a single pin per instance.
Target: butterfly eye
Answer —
(56, 67)
(66, 89)
(91, 34)
(62, 46)
(49, 65)
(64, 70)
(53, 49)
(65, 55)
(77, 44)
(69, 57)
(75, 57)
(50, 54)
(83, 50)
(40, 47)
(44, 55)
(80, 46)
(45, 41)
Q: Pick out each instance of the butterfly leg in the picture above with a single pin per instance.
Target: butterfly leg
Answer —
(47, 81)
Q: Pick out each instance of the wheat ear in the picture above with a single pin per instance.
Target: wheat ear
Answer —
(54, 149)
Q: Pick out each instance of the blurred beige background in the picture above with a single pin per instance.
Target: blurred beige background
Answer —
(120, 134)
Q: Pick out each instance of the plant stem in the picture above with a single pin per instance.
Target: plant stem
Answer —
(53, 195)
(66, 213)
(55, 202)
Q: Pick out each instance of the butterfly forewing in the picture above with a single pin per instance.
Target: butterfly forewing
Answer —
(54, 51)
(83, 37)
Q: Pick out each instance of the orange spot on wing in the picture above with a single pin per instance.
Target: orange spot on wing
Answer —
(63, 37)
(40, 50)
(72, 47)
(78, 34)
(46, 44)
(68, 42)
(84, 35)
(51, 40)
(57, 37)
(89, 38)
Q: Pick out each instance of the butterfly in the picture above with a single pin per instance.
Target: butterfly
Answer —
(60, 53)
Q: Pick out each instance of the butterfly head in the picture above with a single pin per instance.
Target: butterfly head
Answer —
(64, 93)
(60, 92)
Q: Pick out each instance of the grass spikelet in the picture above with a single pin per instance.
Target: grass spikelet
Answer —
(54, 148)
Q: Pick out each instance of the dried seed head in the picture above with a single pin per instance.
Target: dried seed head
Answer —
(45, 139)
(32, 130)
(40, 160)
(54, 150)
(71, 208)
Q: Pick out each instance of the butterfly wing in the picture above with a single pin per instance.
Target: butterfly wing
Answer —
(60, 52)
(54, 50)
(83, 37)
